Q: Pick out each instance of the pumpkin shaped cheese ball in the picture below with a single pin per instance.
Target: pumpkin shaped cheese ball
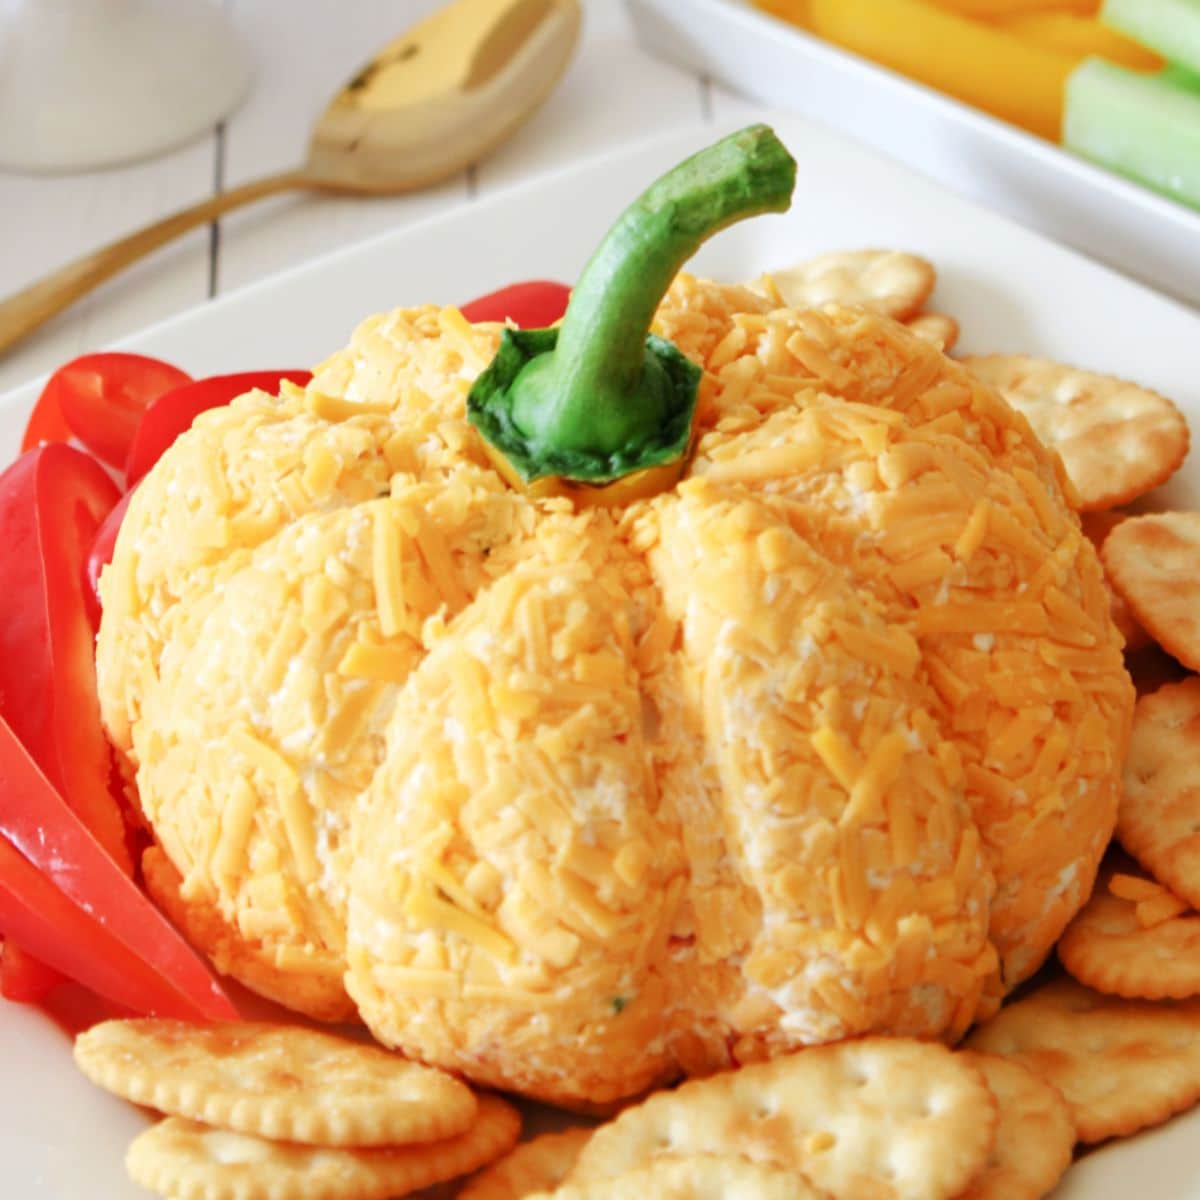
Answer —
(583, 708)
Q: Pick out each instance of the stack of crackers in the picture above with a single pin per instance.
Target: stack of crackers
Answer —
(285, 1113)
(265, 1112)
(258, 1112)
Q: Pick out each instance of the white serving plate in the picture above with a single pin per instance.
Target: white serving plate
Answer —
(61, 1139)
(1039, 184)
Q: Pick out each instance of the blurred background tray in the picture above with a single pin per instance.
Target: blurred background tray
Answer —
(1035, 182)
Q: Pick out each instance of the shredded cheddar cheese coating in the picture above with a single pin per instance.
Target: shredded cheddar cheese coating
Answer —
(824, 741)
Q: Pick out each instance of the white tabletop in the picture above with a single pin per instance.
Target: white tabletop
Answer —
(613, 94)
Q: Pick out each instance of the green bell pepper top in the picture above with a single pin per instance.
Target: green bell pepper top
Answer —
(600, 397)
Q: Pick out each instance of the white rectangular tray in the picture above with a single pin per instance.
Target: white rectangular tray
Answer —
(1039, 184)
(61, 1138)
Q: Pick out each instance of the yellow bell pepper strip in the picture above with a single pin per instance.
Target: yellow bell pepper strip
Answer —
(969, 60)
(1081, 37)
(640, 485)
(599, 399)
(988, 9)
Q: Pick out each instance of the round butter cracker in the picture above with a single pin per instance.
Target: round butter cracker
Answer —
(1160, 808)
(1143, 944)
(183, 1160)
(275, 1081)
(890, 282)
(873, 1119)
(1034, 1135)
(1121, 1065)
(1096, 527)
(1153, 563)
(1117, 440)
(539, 1165)
(939, 328)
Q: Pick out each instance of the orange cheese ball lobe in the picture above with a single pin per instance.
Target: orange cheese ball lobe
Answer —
(516, 880)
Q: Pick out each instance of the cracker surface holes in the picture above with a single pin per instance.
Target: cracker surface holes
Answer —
(183, 1160)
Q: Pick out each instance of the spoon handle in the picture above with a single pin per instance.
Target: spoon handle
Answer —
(23, 312)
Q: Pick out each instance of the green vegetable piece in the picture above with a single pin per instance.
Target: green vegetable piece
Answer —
(1181, 77)
(1172, 27)
(600, 398)
(1146, 127)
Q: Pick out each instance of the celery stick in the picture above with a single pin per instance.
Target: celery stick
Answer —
(1181, 77)
(1144, 126)
(1172, 27)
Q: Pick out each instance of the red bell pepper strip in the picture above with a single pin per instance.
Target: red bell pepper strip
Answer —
(174, 411)
(52, 501)
(74, 944)
(63, 898)
(100, 399)
(46, 423)
(531, 305)
(100, 555)
(24, 978)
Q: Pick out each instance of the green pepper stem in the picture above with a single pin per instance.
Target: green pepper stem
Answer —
(599, 392)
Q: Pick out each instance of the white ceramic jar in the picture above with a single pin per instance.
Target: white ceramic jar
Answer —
(90, 83)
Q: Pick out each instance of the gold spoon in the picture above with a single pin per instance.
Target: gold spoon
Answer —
(432, 102)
